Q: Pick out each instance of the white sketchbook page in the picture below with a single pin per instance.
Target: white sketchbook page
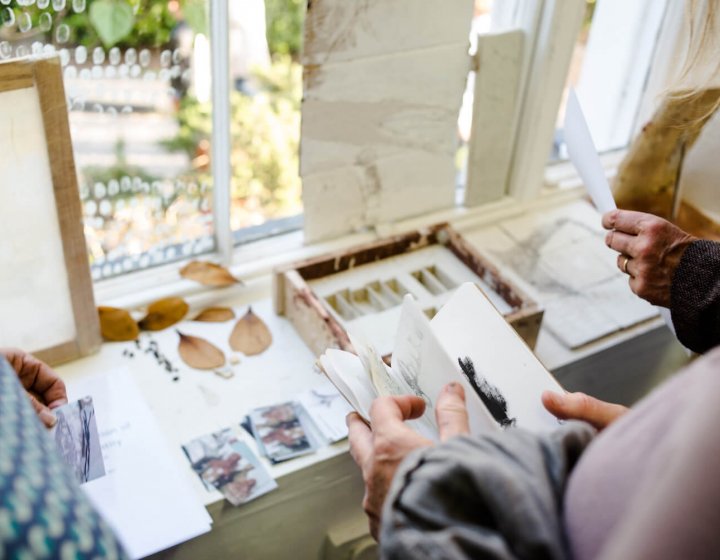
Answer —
(469, 326)
(346, 372)
(35, 307)
(421, 361)
(145, 497)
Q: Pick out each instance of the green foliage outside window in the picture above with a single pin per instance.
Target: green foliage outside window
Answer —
(265, 131)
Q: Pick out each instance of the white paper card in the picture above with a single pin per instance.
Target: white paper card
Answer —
(145, 496)
(585, 157)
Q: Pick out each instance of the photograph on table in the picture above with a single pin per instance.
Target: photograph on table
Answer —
(224, 462)
(284, 431)
(77, 440)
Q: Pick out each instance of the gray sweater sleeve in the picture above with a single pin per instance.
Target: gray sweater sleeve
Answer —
(498, 496)
(695, 296)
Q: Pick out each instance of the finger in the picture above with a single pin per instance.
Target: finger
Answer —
(623, 263)
(43, 412)
(387, 411)
(37, 376)
(621, 242)
(360, 437)
(608, 219)
(451, 412)
(627, 221)
(579, 406)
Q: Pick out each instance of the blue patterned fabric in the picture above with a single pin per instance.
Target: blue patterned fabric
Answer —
(43, 512)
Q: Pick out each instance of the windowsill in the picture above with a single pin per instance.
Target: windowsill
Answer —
(287, 368)
(255, 262)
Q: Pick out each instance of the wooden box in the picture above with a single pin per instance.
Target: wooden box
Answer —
(361, 288)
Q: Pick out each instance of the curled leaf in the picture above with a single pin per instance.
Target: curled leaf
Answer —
(198, 353)
(215, 315)
(117, 324)
(208, 274)
(251, 335)
(163, 313)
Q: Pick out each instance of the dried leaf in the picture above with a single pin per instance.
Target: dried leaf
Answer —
(215, 315)
(117, 324)
(198, 353)
(208, 274)
(250, 335)
(163, 313)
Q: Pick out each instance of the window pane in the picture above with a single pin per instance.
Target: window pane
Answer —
(131, 69)
(266, 80)
(559, 151)
(609, 69)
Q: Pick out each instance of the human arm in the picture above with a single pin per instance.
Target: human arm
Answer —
(379, 451)
(43, 386)
(579, 406)
(493, 496)
(695, 297)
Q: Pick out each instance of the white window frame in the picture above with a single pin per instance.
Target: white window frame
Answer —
(550, 27)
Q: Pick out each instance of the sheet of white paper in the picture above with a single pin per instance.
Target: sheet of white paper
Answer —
(586, 160)
(468, 326)
(145, 496)
(585, 157)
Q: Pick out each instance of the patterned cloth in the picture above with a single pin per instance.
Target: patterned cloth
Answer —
(43, 512)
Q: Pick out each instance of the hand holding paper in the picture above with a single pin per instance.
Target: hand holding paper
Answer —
(587, 162)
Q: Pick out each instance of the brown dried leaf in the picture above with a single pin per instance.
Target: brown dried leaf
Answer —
(215, 315)
(117, 324)
(198, 353)
(163, 313)
(251, 335)
(208, 274)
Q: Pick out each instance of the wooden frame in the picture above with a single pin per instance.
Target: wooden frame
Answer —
(319, 328)
(41, 79)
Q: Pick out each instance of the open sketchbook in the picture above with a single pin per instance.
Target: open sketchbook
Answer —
(469, 342)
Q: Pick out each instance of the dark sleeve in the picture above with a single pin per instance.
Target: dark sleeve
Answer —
(695, 296)
(43, 511)
(495, 497)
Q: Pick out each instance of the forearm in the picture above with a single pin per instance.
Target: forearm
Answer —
(497, 496)
(695, 296)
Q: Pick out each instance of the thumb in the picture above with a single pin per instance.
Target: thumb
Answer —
(579, 406)
(451, 413)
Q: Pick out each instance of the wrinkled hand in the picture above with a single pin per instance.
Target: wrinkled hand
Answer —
(579, 406)
(650, 250)
(379, 451)
(44, 387)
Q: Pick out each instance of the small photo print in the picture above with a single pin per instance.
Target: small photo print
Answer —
(77, 440)
(224, 462)
(283, 431)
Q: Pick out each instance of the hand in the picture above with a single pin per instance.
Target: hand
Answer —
(379, 450)
(650, 250)
(44, 387)
(579, 406)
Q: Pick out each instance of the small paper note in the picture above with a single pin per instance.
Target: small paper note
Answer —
(585, 157)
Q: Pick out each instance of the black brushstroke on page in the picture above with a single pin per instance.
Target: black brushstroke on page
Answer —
(491, 396)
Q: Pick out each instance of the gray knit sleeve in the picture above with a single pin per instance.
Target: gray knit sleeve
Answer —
(496, 497)
(695, 296)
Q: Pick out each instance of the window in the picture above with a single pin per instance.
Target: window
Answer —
(138, 80)
(609, 69)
